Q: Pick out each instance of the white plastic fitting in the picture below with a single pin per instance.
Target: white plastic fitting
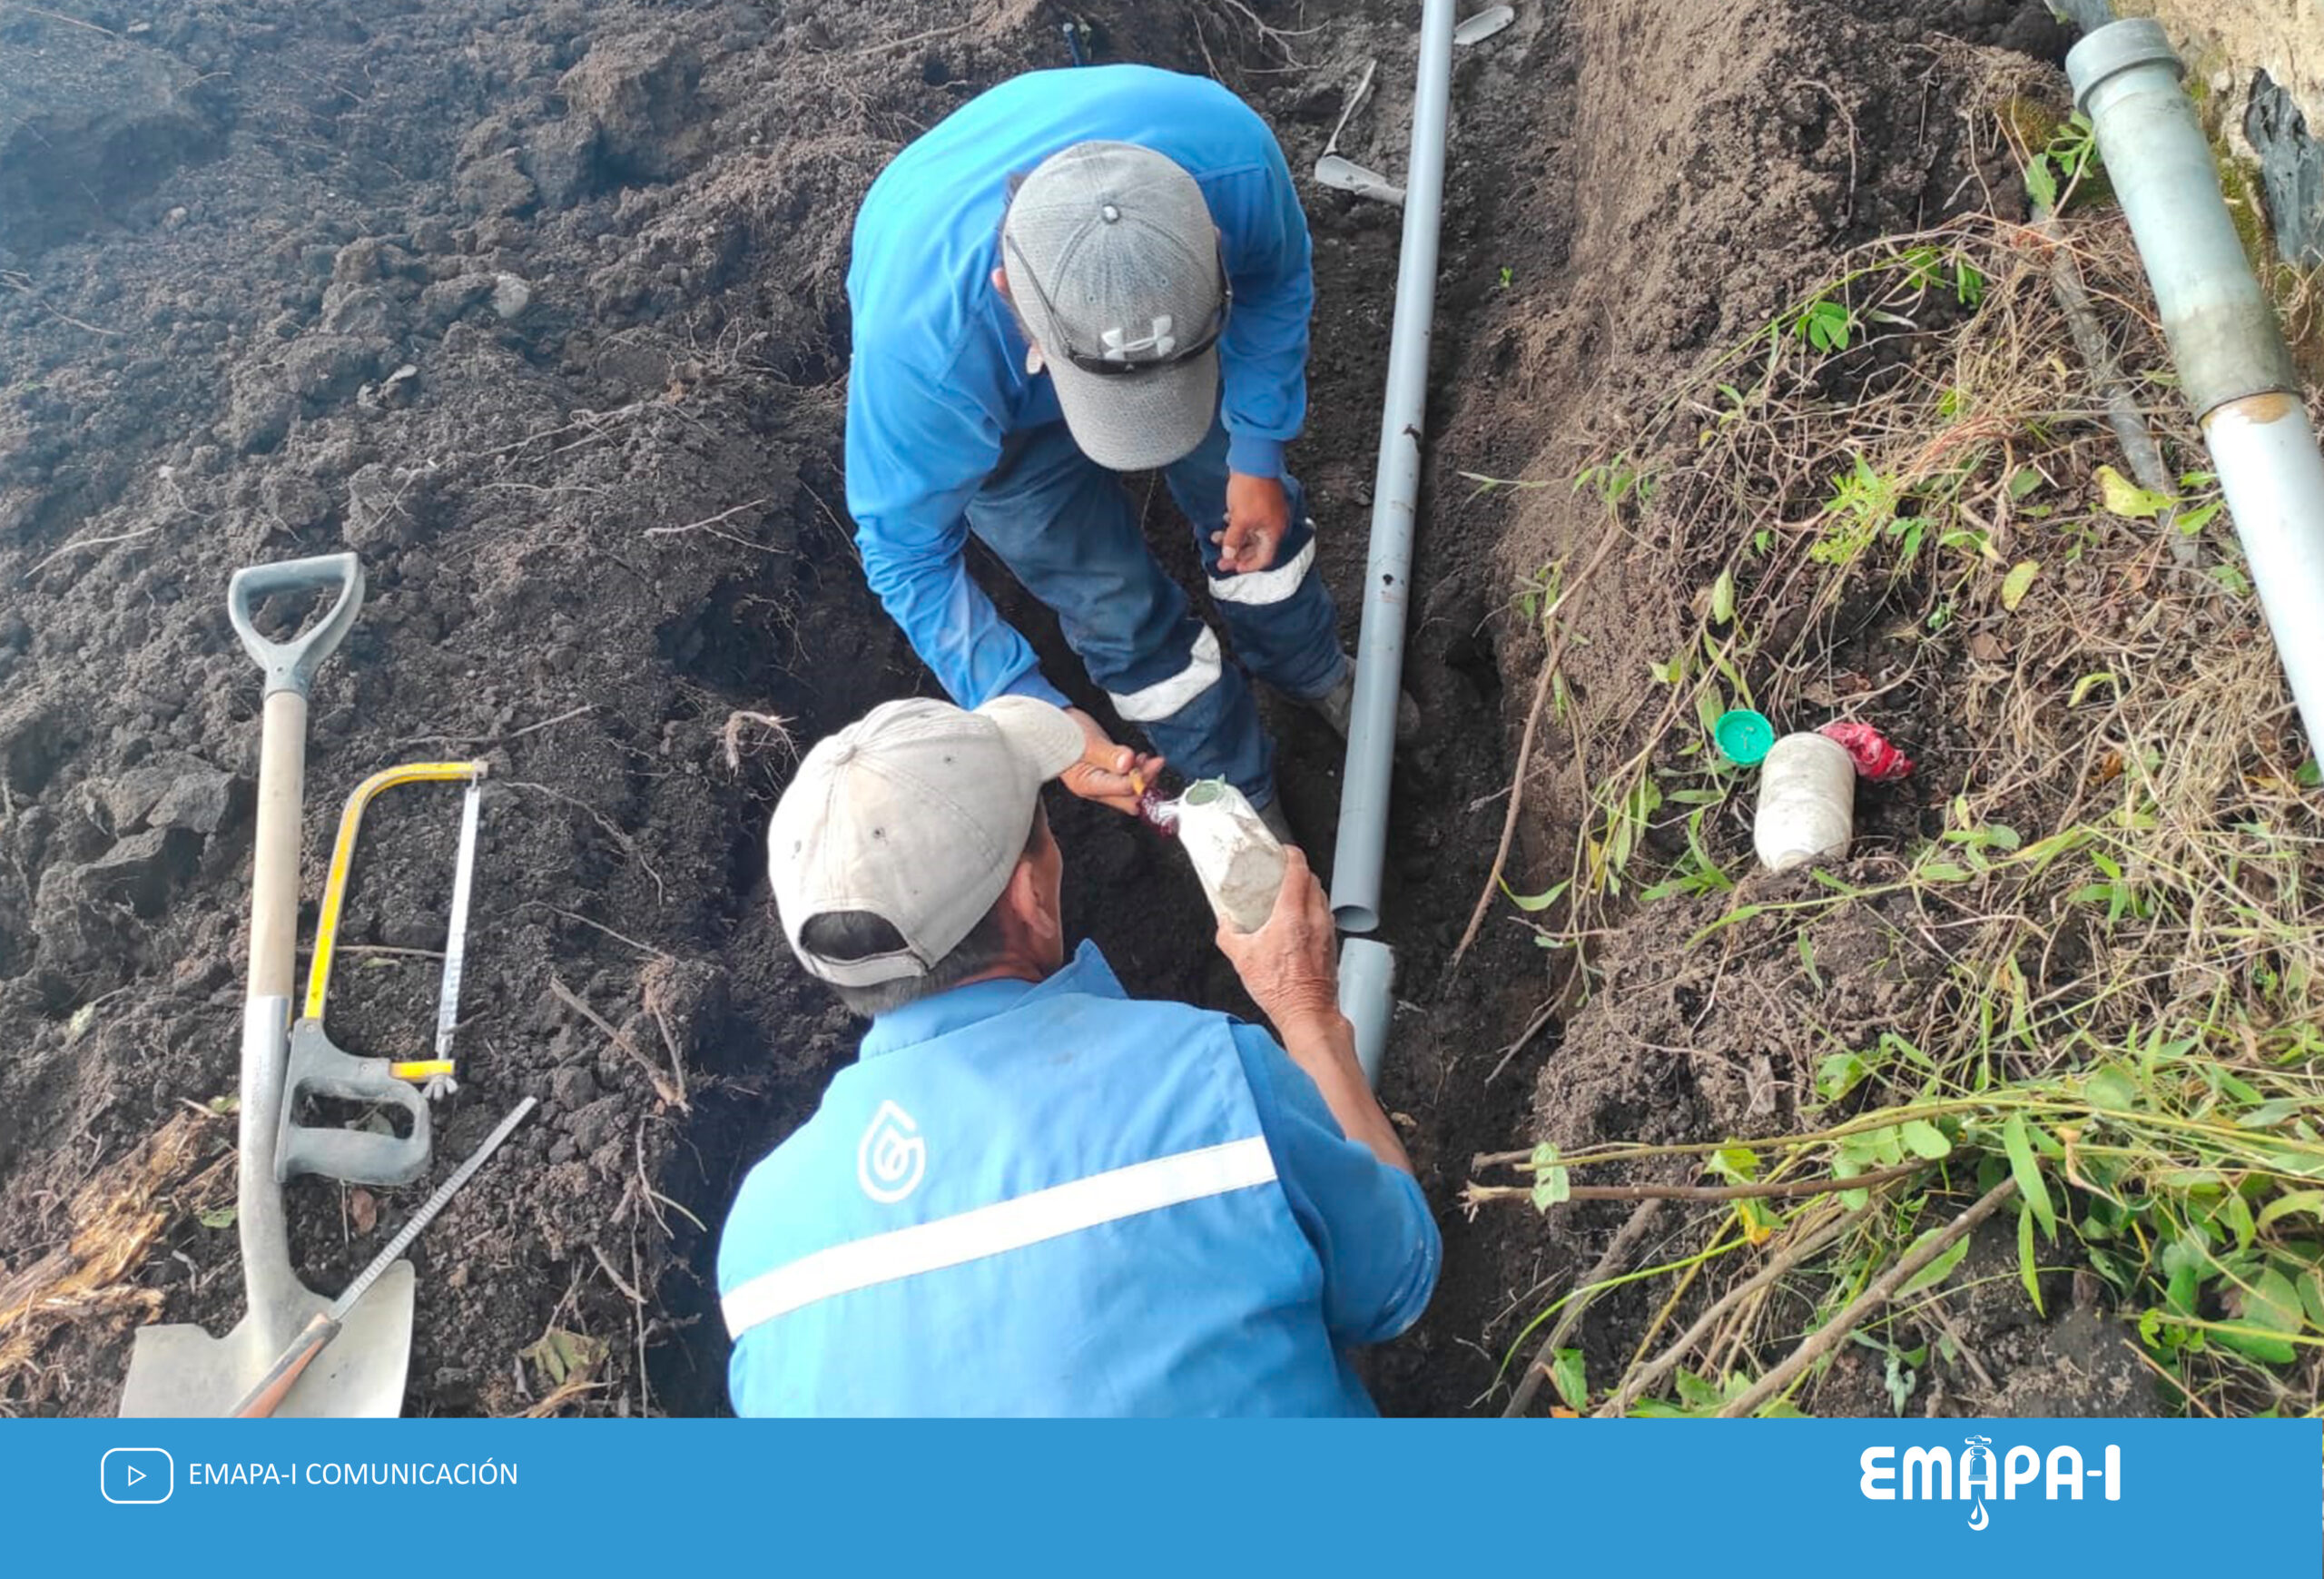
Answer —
(1806, 802)
(1240, 862)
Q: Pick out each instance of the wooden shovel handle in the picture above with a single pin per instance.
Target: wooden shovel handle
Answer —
(267, 1397)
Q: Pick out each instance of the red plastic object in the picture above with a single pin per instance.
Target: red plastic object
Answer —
(1875, 759)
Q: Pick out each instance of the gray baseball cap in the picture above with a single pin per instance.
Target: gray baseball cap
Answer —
(1113, 261)
(918, 812)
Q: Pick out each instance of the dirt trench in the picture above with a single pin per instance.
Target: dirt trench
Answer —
(540, 309)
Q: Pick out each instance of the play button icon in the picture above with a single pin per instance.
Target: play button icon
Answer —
(136, 1474)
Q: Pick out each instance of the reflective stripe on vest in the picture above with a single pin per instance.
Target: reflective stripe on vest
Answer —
(1006, 1225)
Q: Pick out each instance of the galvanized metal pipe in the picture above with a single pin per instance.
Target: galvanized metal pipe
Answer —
(1357, 862)
(2223, 334)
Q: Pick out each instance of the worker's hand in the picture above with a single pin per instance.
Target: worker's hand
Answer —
(1112, 775)
(1290, 966)
(1259, 514)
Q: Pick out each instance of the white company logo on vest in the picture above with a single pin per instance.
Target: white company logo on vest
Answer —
(892, 1156)
(1928, 1475)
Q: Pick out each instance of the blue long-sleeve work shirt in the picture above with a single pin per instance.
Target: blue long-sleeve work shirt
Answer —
(937, 379)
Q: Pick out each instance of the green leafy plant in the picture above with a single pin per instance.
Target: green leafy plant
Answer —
(1825, 324)
(2054, 171)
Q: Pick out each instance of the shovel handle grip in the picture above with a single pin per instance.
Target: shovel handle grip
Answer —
(291, 664)
(267, 1396)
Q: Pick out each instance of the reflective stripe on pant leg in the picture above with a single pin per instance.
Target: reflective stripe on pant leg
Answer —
(1286, 630)
(1254, 589)
(1165, 696)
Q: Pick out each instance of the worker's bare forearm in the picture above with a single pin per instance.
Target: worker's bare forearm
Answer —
(1321, 1042)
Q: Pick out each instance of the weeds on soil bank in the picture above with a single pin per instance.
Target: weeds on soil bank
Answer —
(2098, 898)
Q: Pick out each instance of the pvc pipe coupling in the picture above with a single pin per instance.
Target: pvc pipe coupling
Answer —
(2222, 329)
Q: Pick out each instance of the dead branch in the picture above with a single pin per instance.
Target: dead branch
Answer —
(1652, 1374)
(670, 1095)
(1478, 1194)
(1525, 747)
(1835, 1331)
(1609, 1265)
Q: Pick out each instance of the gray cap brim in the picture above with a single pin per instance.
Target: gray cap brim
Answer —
(1138, 421)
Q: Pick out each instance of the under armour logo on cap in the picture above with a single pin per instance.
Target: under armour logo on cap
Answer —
(1118, 345)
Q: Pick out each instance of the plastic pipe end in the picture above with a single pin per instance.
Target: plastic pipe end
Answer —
(2115, 48)
(1367, 974)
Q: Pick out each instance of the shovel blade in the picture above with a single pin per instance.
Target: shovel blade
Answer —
(181, 1372)
(1347, 175)
(1485, 25)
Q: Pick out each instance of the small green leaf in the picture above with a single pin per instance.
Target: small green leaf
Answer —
(1536, 902)
(2041, 185)
(2269, 1307)
(222, 1217)
(1571, 1378)
(2119, 496)
(1925, 1138)
(224, 1107)
(1722, 597)
(1838, 1073)
(78, 1025)
(1936, 1271)
(2027, 1273)
(1942, 872)
(1550, 1186)
(2023, 481)
(2028, 1174)
(2309, 1202)
(2018, 582)
(2110, 1088)
(2088, 682)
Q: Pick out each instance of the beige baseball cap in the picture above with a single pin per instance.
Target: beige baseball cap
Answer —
(918, 812)
(1114, 263)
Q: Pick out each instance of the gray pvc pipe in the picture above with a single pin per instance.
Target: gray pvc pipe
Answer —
(1367, 974)
(1379, 649)
(2223, 335)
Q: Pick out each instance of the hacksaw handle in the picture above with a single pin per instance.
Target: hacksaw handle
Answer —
(267, 1397)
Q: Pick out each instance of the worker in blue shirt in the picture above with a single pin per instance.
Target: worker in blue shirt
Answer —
(1034, 1194)
(1081, 272)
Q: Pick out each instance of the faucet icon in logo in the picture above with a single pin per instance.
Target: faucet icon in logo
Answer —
(1978, 1518)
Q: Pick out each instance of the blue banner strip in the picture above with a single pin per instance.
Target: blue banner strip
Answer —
(418, 1497)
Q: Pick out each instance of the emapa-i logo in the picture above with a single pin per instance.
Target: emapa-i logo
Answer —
(1934, 1475)
(892, 1157)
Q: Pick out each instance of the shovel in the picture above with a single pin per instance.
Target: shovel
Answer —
(1335, 170)
(180, 1371)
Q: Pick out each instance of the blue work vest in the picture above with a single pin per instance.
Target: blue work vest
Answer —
(1063, 1207)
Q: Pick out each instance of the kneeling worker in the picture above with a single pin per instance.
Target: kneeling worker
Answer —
(1033, 1194)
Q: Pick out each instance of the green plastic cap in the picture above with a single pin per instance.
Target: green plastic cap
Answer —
(1743, 736)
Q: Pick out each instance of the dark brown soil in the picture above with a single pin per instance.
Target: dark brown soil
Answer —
(601, 513)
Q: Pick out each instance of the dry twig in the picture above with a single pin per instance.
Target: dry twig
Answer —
(1835, 1331)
